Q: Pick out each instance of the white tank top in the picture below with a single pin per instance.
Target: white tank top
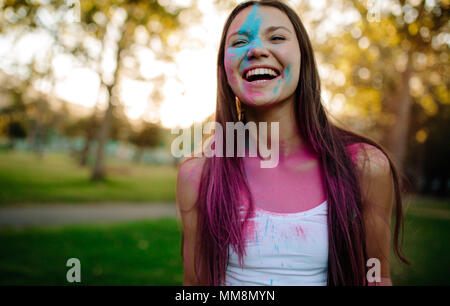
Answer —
(283, 249)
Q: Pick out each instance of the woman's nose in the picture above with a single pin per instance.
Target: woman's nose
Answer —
(257, 51)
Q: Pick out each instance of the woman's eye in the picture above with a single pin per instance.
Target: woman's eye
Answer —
(238, 42)
(278, 38)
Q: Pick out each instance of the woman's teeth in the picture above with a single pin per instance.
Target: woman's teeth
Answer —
(261, 72)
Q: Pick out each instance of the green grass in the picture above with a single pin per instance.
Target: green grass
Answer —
(426, 246)
(148, 253)
(140, 253)
(25, 178)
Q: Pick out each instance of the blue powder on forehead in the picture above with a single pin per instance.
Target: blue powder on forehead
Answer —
(250, 28)
(252, 23)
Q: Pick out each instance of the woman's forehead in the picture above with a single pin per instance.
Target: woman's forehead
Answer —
(257, 17)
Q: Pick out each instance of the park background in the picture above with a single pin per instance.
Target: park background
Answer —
(89, 92)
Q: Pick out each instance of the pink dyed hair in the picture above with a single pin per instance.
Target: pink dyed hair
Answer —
(224, 184)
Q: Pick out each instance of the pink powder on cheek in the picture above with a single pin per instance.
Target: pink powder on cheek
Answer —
(233, 80)
(229, 69)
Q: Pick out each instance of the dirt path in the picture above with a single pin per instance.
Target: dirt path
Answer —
(58, 214)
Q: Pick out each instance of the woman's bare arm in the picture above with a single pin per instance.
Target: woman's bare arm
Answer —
(188, 181)
(378, 198)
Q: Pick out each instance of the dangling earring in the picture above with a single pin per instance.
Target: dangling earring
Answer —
(239, 109)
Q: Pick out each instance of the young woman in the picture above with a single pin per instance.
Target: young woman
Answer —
(323, 211)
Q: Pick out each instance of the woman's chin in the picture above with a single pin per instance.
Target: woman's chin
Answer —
(261, 101)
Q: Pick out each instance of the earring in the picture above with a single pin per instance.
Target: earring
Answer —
(239, 109)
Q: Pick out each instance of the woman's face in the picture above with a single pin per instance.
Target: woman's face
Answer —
(262, 56)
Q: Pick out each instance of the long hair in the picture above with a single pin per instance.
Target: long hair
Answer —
(224, 185)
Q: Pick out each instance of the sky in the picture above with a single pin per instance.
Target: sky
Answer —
(190, 87)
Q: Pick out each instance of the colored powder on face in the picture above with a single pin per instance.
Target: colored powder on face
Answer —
(250, 28)
(276, 87)
(287, 75)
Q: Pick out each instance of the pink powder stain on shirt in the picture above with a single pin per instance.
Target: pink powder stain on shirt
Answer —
(250, 230)
(300, 232)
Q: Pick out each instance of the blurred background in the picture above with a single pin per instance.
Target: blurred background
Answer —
(89, 92)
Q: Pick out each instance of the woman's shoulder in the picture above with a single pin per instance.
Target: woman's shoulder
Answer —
(188, 181)
(374, 171)
(369, 159)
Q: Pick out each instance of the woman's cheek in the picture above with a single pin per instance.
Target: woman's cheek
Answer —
(229, 59)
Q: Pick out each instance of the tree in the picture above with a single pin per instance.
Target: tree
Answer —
(117, 26)
(24, 18)
(15, 130)
(86, 127)
(133, 15)
(381, 67)
(148, 136)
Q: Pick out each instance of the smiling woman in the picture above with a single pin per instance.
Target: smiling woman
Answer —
(265, 33)
(316, 218)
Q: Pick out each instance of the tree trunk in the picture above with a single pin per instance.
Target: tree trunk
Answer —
(98, 172)
(138, 155)
(396, 137)
(36, 139)
(85, 152)
(90, 135)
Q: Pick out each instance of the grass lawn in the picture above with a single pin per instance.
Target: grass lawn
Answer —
(140, 253)
(148, 253)
(24, 178)
(426, 246)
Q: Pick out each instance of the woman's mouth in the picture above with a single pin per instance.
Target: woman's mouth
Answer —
(260, 75)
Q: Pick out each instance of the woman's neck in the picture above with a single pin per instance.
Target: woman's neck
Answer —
(290, 140)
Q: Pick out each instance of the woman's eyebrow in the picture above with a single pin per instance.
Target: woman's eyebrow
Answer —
(240, 32)
(274, 28)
